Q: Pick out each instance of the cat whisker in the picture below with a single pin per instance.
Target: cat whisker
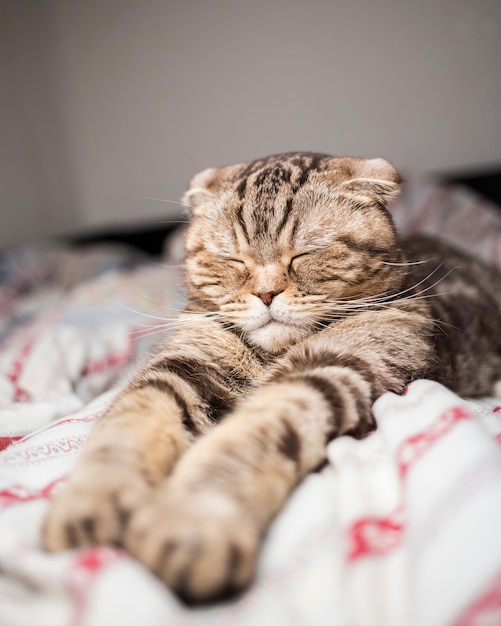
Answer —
(421, 282)
(441, 323)
(144, 314)
(142, 333)
(188, 158)
(169, 324)
(409, 263)
(366, 307)
(343, 313)
(176, 320)
(377, 301)
(157, 199)
(388, 296)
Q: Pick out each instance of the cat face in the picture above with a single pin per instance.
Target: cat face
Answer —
(278, 247)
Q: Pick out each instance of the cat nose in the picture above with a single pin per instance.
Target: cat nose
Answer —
(267, 296)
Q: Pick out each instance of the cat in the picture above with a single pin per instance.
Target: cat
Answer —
(304, 307)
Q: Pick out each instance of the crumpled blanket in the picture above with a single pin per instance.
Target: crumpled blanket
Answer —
(65, 339)
(401, 528)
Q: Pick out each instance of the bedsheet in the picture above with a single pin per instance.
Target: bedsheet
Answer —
(401, 528)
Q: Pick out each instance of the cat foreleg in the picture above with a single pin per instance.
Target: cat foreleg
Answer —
(175, 398)
(128, 452)
(201, 530)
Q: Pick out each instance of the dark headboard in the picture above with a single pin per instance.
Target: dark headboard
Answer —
(486, 182)
(149, 238)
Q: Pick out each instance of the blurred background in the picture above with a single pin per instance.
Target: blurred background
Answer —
(107, 104)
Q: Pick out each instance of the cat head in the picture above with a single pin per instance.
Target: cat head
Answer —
(281, 246)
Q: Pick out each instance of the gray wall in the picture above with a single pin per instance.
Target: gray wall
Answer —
(104, 102)
(36, 190)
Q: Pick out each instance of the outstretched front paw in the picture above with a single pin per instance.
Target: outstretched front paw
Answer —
(93, 507)
(202, 546)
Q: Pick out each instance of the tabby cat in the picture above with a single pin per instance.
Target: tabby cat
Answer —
(303, 308)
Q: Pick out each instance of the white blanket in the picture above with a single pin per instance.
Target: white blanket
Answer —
(402, 528)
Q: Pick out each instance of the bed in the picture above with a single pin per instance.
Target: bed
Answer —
(401, 528)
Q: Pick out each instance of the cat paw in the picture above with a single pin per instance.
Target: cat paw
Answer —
(93, 507)
(202, 546)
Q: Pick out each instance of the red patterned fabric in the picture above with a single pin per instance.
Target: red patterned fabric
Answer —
(401, 528)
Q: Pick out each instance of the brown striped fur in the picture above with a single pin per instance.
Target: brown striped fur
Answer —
(303, 309)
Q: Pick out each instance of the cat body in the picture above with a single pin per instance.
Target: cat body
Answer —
(303, 309)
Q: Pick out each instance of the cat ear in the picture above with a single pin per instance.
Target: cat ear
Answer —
(375, 169)
(199, 192)
(208, 185)
(373, 179)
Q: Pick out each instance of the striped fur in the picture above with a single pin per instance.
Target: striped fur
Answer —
(304, 308)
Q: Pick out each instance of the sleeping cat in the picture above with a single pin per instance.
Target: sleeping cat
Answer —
(303, 309)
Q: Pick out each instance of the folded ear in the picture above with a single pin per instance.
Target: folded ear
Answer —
(372, 179)
(207, 185)
(377, 169)
(199, 192)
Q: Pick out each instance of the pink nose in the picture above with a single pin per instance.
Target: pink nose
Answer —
(267, 296)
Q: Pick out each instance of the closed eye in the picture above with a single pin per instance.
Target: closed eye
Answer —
(236, 262)
(296, 258)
